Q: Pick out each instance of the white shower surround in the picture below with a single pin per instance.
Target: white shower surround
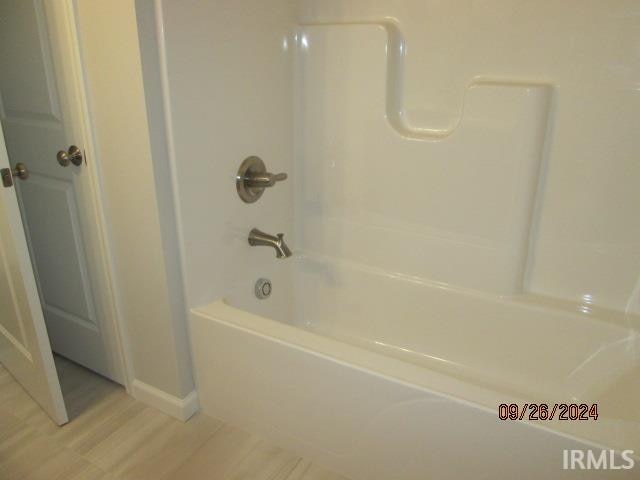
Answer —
(464, 238)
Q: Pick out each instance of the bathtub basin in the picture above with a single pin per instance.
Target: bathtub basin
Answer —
(383, 376)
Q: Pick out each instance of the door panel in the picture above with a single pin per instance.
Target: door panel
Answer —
(23, 27)
(12, 325)
(24, 346)
(39, 119)
(57, 246)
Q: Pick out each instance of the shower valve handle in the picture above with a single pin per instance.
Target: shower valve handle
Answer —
(262, 180)
(252, 178)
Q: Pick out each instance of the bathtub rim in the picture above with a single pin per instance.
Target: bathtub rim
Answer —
(405, 373)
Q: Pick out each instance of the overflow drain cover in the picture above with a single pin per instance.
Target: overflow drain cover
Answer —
(263, 288)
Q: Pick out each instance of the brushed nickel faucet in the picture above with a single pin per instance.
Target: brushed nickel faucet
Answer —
(258, 238)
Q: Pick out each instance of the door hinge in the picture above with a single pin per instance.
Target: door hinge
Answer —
(7, 178)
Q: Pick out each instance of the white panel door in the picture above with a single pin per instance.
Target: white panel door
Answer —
(41, 115)
(24, 346)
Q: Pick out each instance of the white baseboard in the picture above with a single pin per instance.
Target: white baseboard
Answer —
(180, 408)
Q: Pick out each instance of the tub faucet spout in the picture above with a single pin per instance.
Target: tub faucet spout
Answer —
(258, 238)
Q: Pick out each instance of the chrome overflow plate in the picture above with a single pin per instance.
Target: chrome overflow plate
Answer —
(252, 178)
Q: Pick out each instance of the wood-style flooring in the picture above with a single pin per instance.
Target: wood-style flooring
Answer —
(111, 436)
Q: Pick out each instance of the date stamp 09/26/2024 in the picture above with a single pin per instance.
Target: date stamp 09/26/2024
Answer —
(548, 412)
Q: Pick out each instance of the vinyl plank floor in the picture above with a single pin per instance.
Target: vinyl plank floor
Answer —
(111, 436)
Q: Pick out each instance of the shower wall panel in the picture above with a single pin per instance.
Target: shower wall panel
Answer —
(489, 145)
(455, 206)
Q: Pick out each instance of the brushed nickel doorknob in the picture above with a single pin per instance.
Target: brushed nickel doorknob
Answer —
(73, 155)
(21, 171)
(7, 174)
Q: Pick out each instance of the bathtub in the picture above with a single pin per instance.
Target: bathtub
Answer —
(381, 376)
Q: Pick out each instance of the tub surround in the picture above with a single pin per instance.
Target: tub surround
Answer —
(458, 137)
(461, 195)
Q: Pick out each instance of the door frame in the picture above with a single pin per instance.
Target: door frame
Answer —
(62, 22)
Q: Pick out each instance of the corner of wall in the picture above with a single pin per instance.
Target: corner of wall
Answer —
(180, 408)
(146, 14)
(142, 239)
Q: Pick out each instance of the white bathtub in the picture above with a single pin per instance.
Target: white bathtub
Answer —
(382, 376)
